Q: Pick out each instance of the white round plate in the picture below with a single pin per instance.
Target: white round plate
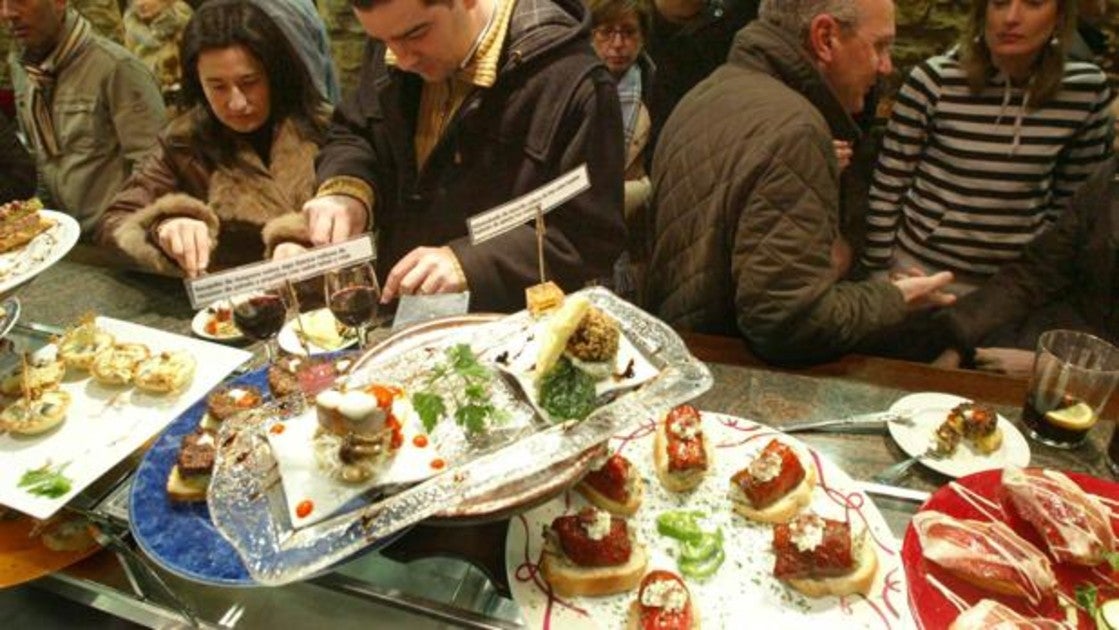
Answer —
(929, 411)
(202, 317)
(743, 592)
(20, 265)
(290, 343)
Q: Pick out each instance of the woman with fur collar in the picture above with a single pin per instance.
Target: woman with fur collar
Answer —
(226, 186)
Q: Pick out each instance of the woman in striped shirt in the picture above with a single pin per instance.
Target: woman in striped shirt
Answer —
(986, 144)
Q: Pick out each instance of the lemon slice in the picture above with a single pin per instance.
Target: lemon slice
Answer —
(1108, 615)
(1077, 417)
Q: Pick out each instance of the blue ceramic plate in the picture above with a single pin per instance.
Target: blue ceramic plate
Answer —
(180, 537)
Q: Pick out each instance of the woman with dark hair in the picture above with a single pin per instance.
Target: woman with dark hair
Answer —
(231, 174)
(987, 143)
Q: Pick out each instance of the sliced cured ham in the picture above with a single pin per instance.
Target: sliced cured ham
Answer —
(1075, 525)
(991, 615)
(989, 555)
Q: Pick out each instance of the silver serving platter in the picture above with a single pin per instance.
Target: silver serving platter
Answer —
(247, 503)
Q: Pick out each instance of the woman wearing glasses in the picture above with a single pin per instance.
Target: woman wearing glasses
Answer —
(619, 33)
(987, 144)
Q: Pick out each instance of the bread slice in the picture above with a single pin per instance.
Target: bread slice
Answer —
(568, 579)
(633, 616)
(989, 443)
(165, 372)
(36, 415)
(68, 534)
(186, 489)
(78, 347)
(629, 508)
(859, 580)
(114, 366)
(558, 329)
(40, 378)
(779, 511)
(682, 481)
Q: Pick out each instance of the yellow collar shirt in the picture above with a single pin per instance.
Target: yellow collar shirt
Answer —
(440, 100)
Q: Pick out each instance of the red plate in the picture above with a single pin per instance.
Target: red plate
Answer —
(933, 610)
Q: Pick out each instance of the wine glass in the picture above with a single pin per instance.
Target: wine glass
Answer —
(352, 294)
(261, 315)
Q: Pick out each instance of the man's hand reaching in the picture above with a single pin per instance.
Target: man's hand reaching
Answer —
(425, 270)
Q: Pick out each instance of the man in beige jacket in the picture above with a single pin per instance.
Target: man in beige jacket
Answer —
(89, 109)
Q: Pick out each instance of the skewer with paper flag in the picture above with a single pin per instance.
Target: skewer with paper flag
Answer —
(546, 296)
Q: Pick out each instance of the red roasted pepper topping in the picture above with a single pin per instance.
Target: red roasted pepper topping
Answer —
(612, 479)
(758, 482)
(612, 549)
(685, 439)
(664, 616)
(797, 557)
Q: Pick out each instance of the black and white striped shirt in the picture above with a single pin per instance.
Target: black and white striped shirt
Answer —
(964, 181)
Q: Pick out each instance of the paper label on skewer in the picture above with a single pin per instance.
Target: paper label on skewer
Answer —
(208, 289)
(497, 221)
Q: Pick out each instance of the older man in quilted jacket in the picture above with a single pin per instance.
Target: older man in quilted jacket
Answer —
(746, 188)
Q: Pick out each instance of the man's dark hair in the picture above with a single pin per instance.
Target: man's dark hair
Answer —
(219, 24)
(369, 4)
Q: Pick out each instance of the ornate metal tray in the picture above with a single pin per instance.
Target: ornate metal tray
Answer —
(247, 503)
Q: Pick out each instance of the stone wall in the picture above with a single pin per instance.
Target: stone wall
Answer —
(930, 27)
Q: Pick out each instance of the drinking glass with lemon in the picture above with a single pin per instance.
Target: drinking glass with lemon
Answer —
(1073, 377)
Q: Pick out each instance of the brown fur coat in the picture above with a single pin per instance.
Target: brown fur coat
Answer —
(248, 208)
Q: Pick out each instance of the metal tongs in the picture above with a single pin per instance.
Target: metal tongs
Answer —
(106, 534)
(860, 423)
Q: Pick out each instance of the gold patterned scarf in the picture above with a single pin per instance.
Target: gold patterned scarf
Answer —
(42, 76)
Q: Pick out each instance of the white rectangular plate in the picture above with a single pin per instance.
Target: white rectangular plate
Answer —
(105, 424)
(303, 480)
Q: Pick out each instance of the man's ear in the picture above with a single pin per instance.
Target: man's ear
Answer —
(823, 35)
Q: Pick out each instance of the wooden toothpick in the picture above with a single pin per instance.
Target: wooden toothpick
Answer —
(540, 241)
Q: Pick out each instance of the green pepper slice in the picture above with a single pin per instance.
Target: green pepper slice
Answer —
(702, 549)
(702, 568)
(681, 524)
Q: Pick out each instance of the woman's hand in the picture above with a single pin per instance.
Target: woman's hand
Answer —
(1009, 361)
(188, 242)
(287, 250)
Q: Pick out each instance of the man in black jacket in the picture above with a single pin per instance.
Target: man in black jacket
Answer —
(1067, 278)
(17, 169)
(463, 105)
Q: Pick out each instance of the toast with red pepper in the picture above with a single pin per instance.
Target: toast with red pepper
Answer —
(591, 553)
(774, 487)
(682, 453)
(615, 486)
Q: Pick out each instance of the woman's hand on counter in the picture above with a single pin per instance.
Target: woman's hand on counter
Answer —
(287, 250)
(1009, 361)
(187, 241)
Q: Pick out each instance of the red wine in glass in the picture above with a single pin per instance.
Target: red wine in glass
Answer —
(354, 305)
(352, 294)
(260, 316)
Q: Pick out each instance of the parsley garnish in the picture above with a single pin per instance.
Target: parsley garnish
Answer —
(464, 375)
(45, 482)
(1086, 595)
(1112, 558)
